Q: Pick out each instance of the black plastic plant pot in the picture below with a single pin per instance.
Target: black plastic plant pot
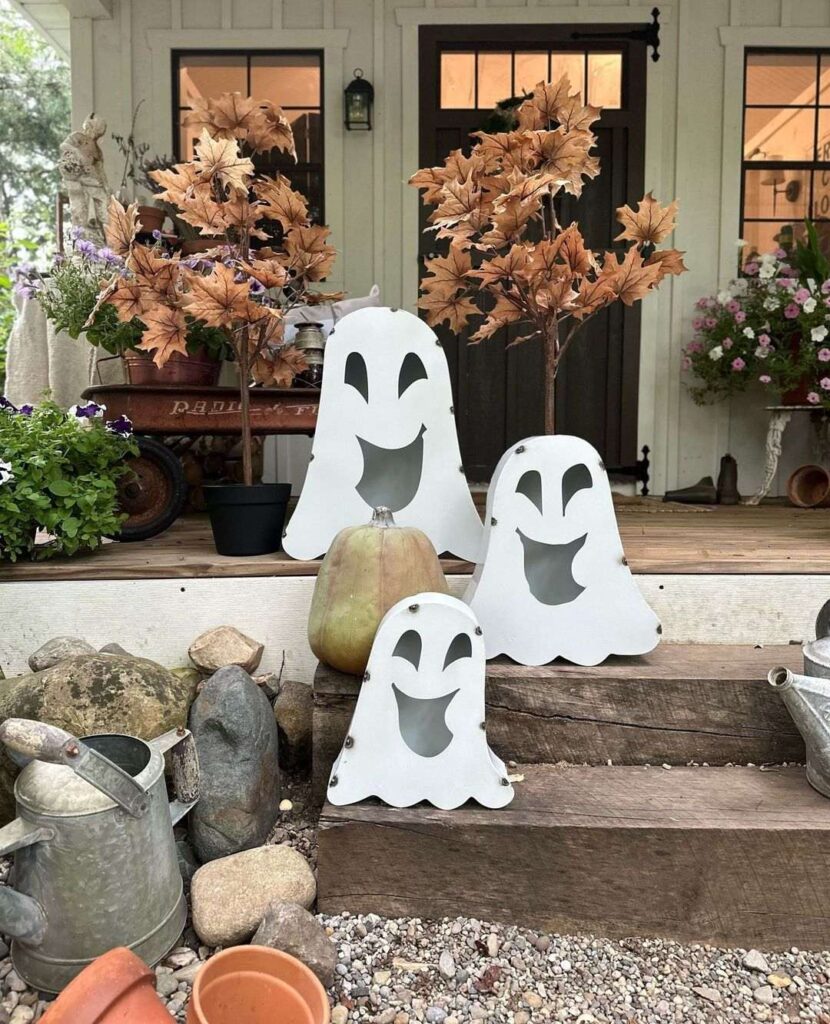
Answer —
(247, 520)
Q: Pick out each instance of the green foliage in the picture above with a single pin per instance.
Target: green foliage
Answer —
(58, 473)
(808, 258)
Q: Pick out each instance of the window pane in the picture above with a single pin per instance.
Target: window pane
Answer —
(288, 81)
(780, 78)
(211, 76)
(776, 193)
(779, 133)
(529, 70)
(572, 65)
(823, 141)
(821, 195)
(824, 81)
(764, 236)
(306, 125)
(494, 82)
(605, 80)
(458, 72)
(188, 137)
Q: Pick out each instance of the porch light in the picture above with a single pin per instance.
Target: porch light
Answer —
(360, 97)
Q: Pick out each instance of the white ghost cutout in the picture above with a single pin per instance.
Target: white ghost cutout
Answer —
(385, 436)
(417, 730)
(552, 580)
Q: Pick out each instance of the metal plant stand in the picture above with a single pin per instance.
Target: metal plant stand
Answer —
(779, 420)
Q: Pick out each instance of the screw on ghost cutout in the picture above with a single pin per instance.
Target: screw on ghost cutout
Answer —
(624, 560)
(452, 410)
(349, 741)
(414, 607)
(493, 520)
(602, 466)
(659, 629)
(393, 309)
(520, 449)
(478, 630)
(505, 782)
(333, 780)
(366, 677)
(482, 725)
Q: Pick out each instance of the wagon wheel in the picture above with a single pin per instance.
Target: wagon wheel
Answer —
(153, 492)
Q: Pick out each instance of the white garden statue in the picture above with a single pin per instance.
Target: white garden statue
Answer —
(81, 166)
(385, 436)
(552, 580)
(417, 732)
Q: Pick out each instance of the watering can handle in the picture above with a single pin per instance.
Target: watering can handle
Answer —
(37, 739)
(185, 764)
(823, 621)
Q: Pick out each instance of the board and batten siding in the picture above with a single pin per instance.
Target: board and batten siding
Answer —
(692, 152)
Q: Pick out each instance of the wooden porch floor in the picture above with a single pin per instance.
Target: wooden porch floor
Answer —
(773, 538)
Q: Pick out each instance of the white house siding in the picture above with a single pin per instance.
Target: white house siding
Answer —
(693, 149)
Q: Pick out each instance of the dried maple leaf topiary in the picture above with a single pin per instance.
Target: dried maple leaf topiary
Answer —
(496, 208)
(236, 288)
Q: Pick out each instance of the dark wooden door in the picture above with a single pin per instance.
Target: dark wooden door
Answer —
(498, 390)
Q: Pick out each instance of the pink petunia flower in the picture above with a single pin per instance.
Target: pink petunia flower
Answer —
(791, 311)
(738, 364)
(697, 323)
(765, 378)
(751, 268)
(813, 398)
(825, 286)
(694, 346)
(709, 322)
(801, 295)
(779, 253)
(825, 383)
(740, 316)
(727, 343)
(733, 306)
(763, 340)
(686, 363)
(824, 355)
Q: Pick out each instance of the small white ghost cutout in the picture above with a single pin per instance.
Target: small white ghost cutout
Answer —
(552, 580)
(417, 730)
(385, 436)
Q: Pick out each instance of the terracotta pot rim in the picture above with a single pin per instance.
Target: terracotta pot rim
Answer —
(797, 475)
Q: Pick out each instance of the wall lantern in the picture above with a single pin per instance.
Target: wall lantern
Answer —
(359, 99)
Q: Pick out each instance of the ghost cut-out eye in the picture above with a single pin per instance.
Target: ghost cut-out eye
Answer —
(461, 647)
(356, 375)
(412, 369)
(409, 647)
(530, 485)
(576, 478)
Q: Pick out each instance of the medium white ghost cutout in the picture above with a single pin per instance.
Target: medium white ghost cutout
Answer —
(552, 580)
(385, 436)
(417, 730)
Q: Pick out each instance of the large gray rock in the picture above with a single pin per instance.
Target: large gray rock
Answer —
(223, 646)
(291, 929)
(239, 791)
(91, 694)
(56, 650)
(293, 712)
(229, 897)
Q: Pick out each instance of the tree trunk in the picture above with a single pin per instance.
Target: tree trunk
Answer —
(551, 346)
(245, 409)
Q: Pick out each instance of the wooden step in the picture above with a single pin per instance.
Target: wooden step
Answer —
(681, 703)
(730, 856)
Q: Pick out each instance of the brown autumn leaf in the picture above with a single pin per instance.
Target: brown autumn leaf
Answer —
(129, 299)
(233, 114)
(510, 222)
(455, 310)
(631, 279)
(461, 201)
(592, 296)
(200, 115)
(310, 255)
(318, 298)
(569, 246)
(119, 231)
(457, 167)
(572, 114)
(176, 181)
(217, 298)
(651, 222)
(271, 130)
(670, 261)
(540, 109)
(447, 274)
(270, 273)
(506, 311)
(153, 272)
(221, 160)
(504, 149)
(280, 368)
(556, 295)
(166, 333)
(502, 268)
(201, 210)
(564, 155)
(281, 203)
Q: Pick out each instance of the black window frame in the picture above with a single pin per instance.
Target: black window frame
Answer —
(812, 167)
(178, 108)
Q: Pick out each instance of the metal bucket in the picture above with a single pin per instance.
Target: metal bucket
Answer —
(95, 861)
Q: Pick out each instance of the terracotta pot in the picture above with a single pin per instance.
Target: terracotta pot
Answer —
(257, 985)
(809, 487)
(150, 218)
(196, 368)
(117, 988)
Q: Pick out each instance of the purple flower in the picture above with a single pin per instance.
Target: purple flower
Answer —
(256, 287)
(108, 256)
(58, 259)
(733, 306)
(6, 474)
(75, 233)
(25, 291)
(751, 268)
(26, 410)
(813, 398)
(740, 316)
(738, 364)
(7, 405)
(86, 248)
(122, 426)
(780, 253)
(825, 286)
(89, 411)
(791, 311)
(824, 355)
(157, 234)
(709, 322)
(765, 378)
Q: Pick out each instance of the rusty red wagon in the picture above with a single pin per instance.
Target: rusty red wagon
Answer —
(154, 494)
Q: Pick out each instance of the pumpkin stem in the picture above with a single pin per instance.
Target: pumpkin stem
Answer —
(382, 516)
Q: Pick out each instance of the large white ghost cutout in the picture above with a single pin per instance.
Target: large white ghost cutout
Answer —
(552, 580)
(417, 732)
(385, 436)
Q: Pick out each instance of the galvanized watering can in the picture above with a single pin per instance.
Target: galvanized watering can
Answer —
(807, 698)
(95, 860)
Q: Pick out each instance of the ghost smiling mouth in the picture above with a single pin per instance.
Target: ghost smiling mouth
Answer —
(549, 569)
(422, 723)
(391, 476)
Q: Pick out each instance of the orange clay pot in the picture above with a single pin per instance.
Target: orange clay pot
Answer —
(257, 985)
(117, 988)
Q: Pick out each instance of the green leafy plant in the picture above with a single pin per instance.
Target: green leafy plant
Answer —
(59, 473)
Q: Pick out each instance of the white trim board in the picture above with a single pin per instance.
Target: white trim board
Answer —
(159, 618)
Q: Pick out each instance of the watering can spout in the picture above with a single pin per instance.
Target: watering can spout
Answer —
(807, 698)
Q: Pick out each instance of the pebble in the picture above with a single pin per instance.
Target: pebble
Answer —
(339, 1015)
(755, 961)
(446, 964)
(764, 995)
(286, 805)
